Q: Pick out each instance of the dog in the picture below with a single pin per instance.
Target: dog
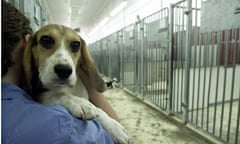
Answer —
(111, 83)
(51, 63)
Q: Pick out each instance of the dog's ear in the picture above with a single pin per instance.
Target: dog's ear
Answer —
(86, 62)
(27, 59)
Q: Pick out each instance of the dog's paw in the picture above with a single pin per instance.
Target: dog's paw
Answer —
(113, 127)
(118, 132)
(77, 106)
(84, 109)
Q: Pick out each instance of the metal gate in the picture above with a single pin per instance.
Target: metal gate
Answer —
(155, 42)
(168, 60)
(114, 56)
(205, 73)
(128, 57)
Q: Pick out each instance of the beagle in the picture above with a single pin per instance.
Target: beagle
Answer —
(51, 64)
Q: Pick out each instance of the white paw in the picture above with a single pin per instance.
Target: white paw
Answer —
(118, 132)
(83, 109)
(77, 106)
(114, 128)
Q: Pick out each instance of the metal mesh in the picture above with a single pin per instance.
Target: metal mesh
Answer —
(168, 60)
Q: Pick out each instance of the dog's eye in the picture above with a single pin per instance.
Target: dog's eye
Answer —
(75, 46)
(47, 41)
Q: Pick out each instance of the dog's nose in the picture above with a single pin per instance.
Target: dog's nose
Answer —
(63, 71)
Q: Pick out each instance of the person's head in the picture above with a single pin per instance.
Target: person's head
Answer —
(15, 27)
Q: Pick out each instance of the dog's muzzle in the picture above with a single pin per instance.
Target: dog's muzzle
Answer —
(63, 71)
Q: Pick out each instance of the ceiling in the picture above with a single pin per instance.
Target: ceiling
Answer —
(88, 14)
(83, 14)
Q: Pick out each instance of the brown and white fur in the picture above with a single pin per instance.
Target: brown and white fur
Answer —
(51, 64)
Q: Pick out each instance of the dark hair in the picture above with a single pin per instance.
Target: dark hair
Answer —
(14, 27)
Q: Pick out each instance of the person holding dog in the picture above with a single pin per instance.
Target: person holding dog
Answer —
(24, 120)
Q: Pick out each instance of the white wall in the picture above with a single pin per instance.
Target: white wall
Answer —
(199, 83)
(220, 12)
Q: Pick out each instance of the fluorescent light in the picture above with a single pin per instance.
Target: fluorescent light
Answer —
(118, 9)
(103, 22)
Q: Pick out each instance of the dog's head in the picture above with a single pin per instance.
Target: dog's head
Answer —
(54, 56)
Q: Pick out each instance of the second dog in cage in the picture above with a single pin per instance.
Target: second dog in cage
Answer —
(111, 83)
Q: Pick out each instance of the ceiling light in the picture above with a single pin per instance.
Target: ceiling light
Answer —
(104, 21)
(118, 9)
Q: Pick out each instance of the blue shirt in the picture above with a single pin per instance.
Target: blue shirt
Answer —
(27, 122)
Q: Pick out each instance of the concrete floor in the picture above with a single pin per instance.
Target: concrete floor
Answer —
(144, 124)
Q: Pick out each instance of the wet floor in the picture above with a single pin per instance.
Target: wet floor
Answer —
(144, 124)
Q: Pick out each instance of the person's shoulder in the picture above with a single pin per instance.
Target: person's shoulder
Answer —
(30, 122)
(54, 111)
(50, 114)
(46, 124)
(74, 130)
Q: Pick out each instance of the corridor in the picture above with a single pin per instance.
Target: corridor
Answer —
(146, 125)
